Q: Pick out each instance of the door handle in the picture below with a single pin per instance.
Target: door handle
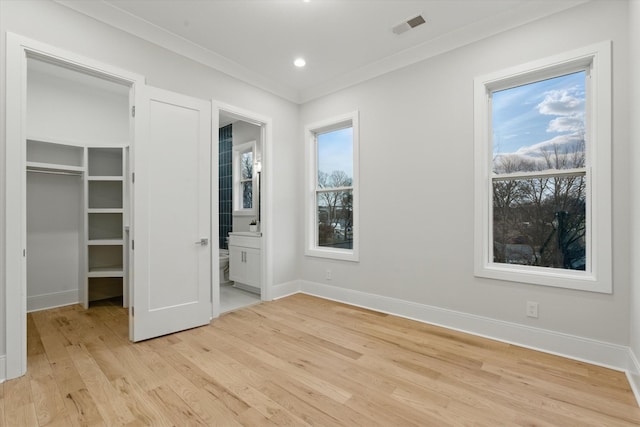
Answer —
(203, 242)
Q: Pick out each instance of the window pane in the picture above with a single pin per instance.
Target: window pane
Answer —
(247, 195)
(335, 219)
(540, 126)
(246, 168)
(540, 222)
(335, 158)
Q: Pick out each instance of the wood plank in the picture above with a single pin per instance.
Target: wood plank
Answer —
(48, 402)
(110, 404)
(2, 405)
(298, 361)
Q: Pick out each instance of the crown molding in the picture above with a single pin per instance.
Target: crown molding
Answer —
(124, 21)
(527, 11)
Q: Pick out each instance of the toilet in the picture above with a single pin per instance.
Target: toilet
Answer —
(224, 267)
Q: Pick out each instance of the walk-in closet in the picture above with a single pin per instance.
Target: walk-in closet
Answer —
(78, 133)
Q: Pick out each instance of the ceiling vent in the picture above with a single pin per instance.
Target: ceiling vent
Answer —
(408, 24)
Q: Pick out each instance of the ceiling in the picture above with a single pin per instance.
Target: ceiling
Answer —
(343, 41)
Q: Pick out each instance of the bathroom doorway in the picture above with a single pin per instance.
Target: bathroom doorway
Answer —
(241, 211)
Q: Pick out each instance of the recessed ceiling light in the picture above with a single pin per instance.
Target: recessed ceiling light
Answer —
(300, 62)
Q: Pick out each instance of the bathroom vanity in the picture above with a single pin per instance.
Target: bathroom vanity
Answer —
(245, 260)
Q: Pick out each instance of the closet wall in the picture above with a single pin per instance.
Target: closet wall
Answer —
(54, 240)
(75, 110)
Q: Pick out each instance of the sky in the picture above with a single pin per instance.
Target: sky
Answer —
(527, 119)
(335, 151)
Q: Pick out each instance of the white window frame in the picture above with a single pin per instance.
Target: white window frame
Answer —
(238, 151)
(311, 212)
(597, 277)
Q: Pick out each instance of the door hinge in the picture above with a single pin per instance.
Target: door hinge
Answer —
(24, 252)
(133, 244)
(133, 111)
(133, 177)
(133, 311)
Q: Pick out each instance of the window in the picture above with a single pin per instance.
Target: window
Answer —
(243, 178)
(543, 178)
(332, 202)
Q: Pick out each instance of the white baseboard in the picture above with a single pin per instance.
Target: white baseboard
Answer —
(56, 299)
(285, 289)
(583, 349)
(633, 374)
(246, 287)
(613, 356)
(3, 368)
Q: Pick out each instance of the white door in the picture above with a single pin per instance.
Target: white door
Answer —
(171, 214)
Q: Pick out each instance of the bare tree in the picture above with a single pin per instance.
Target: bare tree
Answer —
(338, 204)
(545, 213)
(246, 174)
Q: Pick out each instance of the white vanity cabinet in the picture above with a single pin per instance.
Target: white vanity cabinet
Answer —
(245, 265)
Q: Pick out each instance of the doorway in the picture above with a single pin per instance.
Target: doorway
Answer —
(242, 213)
(47, 149)
(162, 117)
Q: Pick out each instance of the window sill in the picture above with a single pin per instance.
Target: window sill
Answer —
(336, 254)
(568, 279)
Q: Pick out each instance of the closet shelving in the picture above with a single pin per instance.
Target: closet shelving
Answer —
(54, 156)
(105, 221)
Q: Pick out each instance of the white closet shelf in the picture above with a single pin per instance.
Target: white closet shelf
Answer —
(53, 167)
(54, 140)
(105, 242)
(105, 178)
(105, 210)
(106, 272)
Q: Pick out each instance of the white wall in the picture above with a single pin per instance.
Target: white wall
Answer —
(59, 26)
(76, 110)
(634, 142)
(54, 240)
(416, 175)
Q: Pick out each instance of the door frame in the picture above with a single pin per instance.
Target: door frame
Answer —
(266, 223)
(20, 48)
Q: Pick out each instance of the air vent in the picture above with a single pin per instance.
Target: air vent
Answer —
(408, 24)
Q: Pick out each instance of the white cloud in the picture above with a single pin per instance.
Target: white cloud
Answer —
(562, 151)
(562, 143)
(572, 123)
(563, 102)
(566, 149)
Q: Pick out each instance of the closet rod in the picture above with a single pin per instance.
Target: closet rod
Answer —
(55, 172)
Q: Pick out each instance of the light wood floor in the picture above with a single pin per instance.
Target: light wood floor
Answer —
(299, 361)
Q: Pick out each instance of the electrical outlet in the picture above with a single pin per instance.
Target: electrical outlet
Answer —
(532, 309)
(327, 275)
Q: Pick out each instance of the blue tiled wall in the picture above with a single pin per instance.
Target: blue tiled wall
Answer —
(225, 178)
